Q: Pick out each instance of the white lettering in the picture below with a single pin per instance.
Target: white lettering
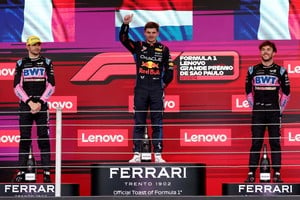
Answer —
(205, 137)
(7, 72)
(9, 138)
(296, 69)
(58, 104)
(32, 188)
(243, 104)
(169, 104)
(104, 138)
(295, 138)
(257, 188)
(147, 172)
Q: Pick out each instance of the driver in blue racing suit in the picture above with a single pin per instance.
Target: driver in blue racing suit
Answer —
(154, 69)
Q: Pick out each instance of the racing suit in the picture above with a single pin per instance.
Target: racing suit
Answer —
(263, 86)
(154, 69)
(34, 80)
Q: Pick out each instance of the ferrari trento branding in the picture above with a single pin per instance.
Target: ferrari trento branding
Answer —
(147, 172)
(267, 189)
(29, 188)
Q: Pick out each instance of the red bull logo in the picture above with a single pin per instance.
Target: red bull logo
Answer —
(150, 65)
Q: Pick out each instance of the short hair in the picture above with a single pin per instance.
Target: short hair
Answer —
(152, 25)
(268, 43)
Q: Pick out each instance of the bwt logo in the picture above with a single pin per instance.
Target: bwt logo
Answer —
(102, 137)
(291, 136)
(205, 137)
(239, 103)
(7, 71)
(35, 71)
(265, 80)
(293, 68)
(171, 103)
(66, 103)
(9, 138)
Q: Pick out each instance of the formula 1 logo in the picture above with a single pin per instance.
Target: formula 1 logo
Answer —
(106, 66)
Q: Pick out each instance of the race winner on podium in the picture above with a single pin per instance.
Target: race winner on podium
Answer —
(154, 68)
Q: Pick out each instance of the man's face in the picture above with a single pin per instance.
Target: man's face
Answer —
(151, 35)
(35, 49)
(267, 53)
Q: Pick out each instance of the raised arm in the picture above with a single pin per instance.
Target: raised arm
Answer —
(123, 35)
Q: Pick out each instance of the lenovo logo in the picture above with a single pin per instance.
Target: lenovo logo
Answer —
(239, 103)
(7, 71)
(68, 104)
(293, 68)
(102, 137)
(171, 103)
(9, 138)
(291, 136)
(205, 137)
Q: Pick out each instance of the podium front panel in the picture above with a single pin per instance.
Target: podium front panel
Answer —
(149, 179)
(37, 189)
(264, 189)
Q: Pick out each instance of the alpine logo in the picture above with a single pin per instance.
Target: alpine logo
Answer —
(205, 137)
(102, 137)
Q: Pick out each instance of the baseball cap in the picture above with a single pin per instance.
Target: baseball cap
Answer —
(31, 40)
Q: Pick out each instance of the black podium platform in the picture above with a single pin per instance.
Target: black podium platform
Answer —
(263, 189)
(37, 189)
(147, 179)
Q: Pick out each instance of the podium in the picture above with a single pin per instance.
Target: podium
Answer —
(263, 189)
(37, 189)
(148, 179)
